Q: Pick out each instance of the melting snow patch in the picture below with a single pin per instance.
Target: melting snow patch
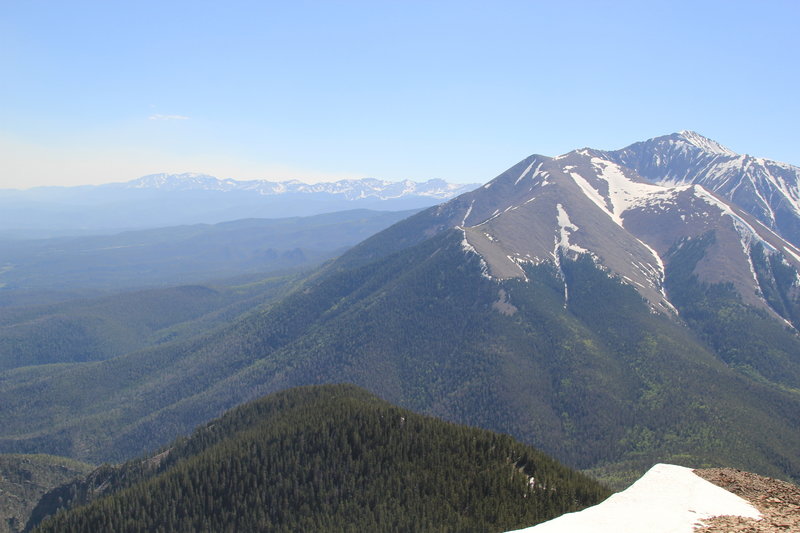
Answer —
(667, 499)
(525, 172)
(565, 228)
(468, 248)
(623, 193)
(747, 233)
(466, 215)
(790, 252)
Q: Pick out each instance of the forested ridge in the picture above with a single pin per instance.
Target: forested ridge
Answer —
(326, 458)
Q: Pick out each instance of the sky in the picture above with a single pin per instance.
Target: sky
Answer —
(97, 92)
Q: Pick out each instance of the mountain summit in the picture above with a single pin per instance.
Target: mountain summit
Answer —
(543, 210)
(767, 190)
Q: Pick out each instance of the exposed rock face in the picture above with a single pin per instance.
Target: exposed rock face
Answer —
(778, 502)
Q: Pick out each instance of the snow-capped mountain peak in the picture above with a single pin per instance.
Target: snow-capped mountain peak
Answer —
(767, 190)
(589, 202)
(704, 143)
(351, 189)
(172, 181)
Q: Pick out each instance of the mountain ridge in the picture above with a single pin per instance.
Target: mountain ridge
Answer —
(324, 458)
(349, 188)
(162, 200)
(768, 190)
(585, 202)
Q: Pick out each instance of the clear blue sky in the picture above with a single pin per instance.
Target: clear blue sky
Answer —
(93, 92)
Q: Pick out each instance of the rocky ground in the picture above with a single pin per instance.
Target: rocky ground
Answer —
(24, 479)
(778, 502)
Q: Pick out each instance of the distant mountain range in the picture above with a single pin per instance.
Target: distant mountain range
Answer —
(183, 254)
(351, 189)
(160, 200)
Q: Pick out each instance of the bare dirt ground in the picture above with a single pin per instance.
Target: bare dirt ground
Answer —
(778, 502)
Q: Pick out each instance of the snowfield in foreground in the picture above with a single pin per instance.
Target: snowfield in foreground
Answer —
(667, 499)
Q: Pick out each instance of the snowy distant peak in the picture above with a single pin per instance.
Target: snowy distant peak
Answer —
(704, 143)
(187, 180)
(351, 189)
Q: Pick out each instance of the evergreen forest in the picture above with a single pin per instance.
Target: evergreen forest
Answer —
(324, 458)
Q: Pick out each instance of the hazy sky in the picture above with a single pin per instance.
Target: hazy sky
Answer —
(93, 92)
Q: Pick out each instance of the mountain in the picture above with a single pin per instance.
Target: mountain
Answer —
(161, 200)
(330, 458)
(183, 254)
(569, 302)
(350, 189)
(767, 190)
(545, 209)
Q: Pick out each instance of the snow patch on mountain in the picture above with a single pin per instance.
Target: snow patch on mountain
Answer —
(613, 182)
(767, 190)
(525, 172)
(667, 499)
(623, 192)
(746, 231)
(467, 214)
(592, 194)
(792, 253)
(565, 227)
(468, 248)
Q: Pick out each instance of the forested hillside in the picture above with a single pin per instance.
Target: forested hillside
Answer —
(599, 382)
(329, 458)
(100, 328)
